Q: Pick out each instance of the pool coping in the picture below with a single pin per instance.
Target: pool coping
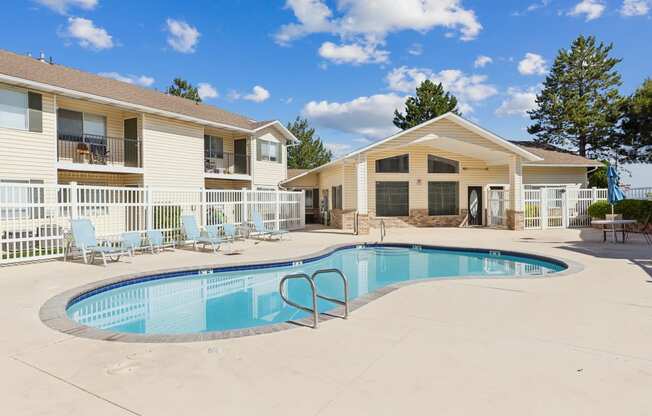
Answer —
(53, 312)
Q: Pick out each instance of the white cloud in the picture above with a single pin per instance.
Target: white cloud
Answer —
(367, 24)
(635, 8)
(141, 80)
(532, 7)
(87, 34)
(338, 149)
(518, 102)
(468, 89)
(481, 61)
(352, 53)
(62, 6)
(182, 37)
(258, 95)
(591, 9)
(415, 49)
(370, 117)
(532, 64)
(206, 91)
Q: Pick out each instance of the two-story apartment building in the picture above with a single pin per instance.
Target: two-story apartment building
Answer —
(62, 125)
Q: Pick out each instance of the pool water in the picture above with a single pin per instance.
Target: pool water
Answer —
(216, 300)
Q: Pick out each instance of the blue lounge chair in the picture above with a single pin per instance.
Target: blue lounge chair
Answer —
(132, 242)
(261, 230)
(157, 241)
(83, 234)
(231, 235)
(192, 233)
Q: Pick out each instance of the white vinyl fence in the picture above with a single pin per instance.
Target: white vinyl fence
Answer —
(559, 207)
(35, 218)
(638, 193)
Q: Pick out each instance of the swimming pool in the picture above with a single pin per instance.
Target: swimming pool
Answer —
(235, 298)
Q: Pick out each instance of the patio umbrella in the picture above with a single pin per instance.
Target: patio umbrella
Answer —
(614, 193)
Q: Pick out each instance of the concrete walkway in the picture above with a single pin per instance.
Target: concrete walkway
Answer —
(579, 344)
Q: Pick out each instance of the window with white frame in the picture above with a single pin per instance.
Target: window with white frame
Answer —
(73, 125)
(13, 108)
(269, 151)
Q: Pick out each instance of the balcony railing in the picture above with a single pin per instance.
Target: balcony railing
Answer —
(99, 150)
(228, 164)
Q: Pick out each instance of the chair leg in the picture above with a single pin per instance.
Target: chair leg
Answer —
(84, 254)
(104, 259)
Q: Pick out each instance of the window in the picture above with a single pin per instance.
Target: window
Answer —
(213, 147)
(73, 125)
(443, 198)
(396, 164)
(392, 199)
(269, 151)
(309, 199)
(438, 164)
(337, 197)
(13, 108)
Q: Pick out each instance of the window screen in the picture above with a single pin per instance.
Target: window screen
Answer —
(392, 199)
(443, 198)
(396, 164)
(438, 164)
(213, 147)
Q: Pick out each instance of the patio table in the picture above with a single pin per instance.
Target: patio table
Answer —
(614, 225)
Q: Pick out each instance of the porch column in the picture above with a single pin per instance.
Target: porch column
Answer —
(362, 195)
(515, 217)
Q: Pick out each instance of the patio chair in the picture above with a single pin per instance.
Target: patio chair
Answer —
(642, 229)
(157, 241)
(192, 233)
(262, 231)
(83, 234)
(132, 241)
(231, 235)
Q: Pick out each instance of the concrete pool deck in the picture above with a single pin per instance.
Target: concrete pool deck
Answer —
(577, 344)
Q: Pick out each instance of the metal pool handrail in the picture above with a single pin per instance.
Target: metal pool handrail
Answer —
(344, 302)
(311, 282)
(383, 231)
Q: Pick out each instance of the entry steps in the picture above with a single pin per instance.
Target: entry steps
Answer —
(313, 289)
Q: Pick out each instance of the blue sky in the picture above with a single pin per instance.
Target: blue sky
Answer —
(344, 64)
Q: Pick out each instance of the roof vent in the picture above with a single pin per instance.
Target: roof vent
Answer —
(41, 57)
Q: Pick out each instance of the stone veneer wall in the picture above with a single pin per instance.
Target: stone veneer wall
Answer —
(515, 220)
(417, 218)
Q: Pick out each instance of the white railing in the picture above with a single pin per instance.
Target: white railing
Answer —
(638, 193)
(35, 218)
(498, 204)
(559, 207)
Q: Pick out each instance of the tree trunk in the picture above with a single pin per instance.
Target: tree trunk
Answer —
(582, 146)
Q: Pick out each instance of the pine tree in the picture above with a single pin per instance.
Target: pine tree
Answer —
(182, 88)
(310, 152)
(431, 101)
(579, 106)
(637, 125)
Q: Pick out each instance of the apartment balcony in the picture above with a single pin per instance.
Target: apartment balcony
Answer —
(99, 153)
(229, 166)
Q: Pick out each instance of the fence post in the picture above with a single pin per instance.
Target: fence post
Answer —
(245, 213)
(565, 208)
(204, 207)
(278, 210)
(302, 209)
(594, 194)
(74, 204)
(149, 210)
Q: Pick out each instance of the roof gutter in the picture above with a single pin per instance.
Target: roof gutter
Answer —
(110, 101)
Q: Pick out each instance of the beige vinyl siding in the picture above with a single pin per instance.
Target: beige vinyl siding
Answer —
(442, 128)
(100, 179)
(473, 172)
(328, 178)
(31, 155)
(227, 184)
(349, 187)
(173, 153)
(554, 175)
(265, 173)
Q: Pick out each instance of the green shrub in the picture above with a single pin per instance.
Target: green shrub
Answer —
(599, 209)
(531, 210)
(630, 209)
(634, 209)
